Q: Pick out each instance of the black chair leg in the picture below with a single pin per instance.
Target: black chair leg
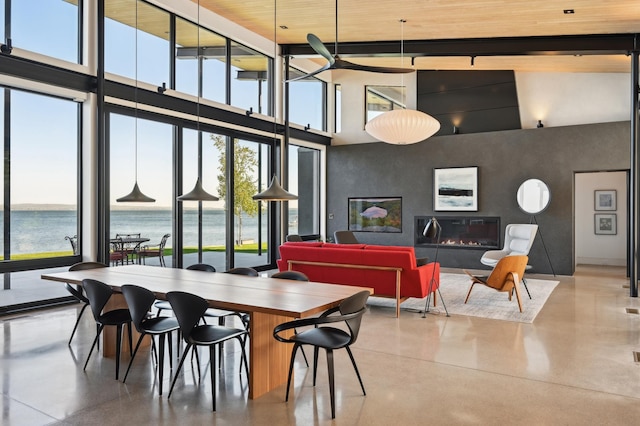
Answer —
(95, 341)
(175, 376)
(75, 327)
(118, 347)
(355, 367)
(331, 383)
(315, 364)
(130, 339)
(293, 356)
(160, 362)
(135, 351)
(170, 346)
(212, 356)
(244, 357)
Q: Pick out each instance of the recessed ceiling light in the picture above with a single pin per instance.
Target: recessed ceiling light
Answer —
(569, 11)
(284, 27)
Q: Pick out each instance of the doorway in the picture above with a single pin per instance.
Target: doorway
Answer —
(600, 225)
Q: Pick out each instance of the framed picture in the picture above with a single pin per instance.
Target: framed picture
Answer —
(605, 199)
(376, 214)
(606, 224)
(455, 189)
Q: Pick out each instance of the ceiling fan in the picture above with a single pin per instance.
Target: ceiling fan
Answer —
(334, 62)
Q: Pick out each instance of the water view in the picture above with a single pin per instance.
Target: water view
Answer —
(40, 231)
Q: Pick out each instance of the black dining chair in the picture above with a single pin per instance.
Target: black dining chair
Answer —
(140, 300)
(240, 270)
(78, 293)
(161, 305)
(350, 311)
(189, 309)
(99, 294)
(296, 276)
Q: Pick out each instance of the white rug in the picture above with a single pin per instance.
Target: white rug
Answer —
(484, 302)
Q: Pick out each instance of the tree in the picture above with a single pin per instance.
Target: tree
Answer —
(245, 164)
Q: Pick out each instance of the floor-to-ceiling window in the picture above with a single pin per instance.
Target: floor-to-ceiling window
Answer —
(141, 53)
(304, 180)
(203, 222)
(39, 189)
(141, 153)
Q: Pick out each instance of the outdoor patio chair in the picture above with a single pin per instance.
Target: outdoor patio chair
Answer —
(156, 250)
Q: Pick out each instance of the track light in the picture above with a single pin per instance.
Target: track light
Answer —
(539, 125)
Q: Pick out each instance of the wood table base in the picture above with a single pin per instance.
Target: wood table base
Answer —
(269, 359)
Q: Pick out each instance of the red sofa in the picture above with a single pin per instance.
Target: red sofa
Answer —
(390, 270)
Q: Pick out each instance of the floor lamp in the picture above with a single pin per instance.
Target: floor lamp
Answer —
(433, 230)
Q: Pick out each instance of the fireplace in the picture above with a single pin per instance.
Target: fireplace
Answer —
(460, 232)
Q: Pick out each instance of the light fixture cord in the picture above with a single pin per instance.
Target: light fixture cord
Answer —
(135, 98)
(402, 88)
(335, 49)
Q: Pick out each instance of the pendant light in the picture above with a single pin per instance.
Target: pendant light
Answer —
(275, 192)
(136, 196)
(198, 193)
(402, 126)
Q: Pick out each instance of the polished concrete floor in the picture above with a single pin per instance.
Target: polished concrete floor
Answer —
(573, 366)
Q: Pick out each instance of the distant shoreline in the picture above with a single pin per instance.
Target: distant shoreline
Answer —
(73, 207)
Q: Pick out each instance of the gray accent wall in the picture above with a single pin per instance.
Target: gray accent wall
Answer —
(504, 159)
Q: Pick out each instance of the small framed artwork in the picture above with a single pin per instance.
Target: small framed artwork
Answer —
(606, 224)
(605, 199)
(375, 214)
(455, 189)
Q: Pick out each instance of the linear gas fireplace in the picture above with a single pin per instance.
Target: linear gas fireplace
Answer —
(460, 232)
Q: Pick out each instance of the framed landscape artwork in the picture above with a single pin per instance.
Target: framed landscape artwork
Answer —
(455, 189)
(606, 224)
(605, 199)
(377, 214)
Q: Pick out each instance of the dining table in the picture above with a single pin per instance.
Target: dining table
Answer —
(128, 245)
(268, 301)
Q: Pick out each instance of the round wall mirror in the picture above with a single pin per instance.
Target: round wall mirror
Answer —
(533, 196)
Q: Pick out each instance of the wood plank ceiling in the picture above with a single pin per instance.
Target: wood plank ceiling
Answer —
(378, 20)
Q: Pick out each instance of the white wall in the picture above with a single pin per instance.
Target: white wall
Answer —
(592, 249)
(567, 99)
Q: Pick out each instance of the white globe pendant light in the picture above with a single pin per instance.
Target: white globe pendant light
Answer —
(402, 126)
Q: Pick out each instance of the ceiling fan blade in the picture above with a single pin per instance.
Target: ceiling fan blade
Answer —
(311, 74)
(342, 64)
(317, 45)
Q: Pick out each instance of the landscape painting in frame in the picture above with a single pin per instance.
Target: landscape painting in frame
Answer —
(378, 214)
(455, 189)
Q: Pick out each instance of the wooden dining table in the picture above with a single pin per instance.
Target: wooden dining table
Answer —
(269, 302)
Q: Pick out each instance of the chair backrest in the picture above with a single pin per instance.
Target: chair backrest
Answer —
(201, 267)
(291, 275)
(74, 243)
(294, 237)
(139, 300)
(250, 272)
(519, 237)
(98, 294)
(345, 237)
(501, 278)
(82, 266)
(188, 309)
(128, 235)
(351, 305)
(163, 241)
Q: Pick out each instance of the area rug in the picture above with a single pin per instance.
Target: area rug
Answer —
(484, 302)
